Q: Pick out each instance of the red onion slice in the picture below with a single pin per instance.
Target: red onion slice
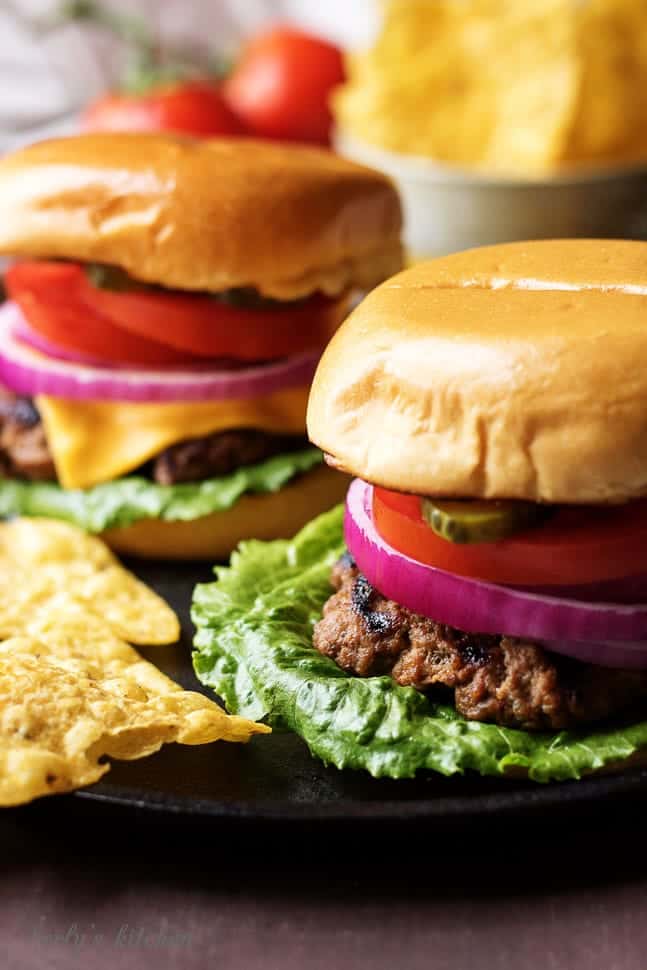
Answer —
(24, 334)
(479, 607)
(629, 589)
(27, 371)
(626, 656)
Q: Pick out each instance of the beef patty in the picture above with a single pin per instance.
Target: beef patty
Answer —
(494, 678)
(219, 454)
(24, 452)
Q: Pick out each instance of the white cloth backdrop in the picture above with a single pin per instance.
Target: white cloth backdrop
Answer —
(46, 75)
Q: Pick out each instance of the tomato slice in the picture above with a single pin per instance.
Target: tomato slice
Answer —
(575, 546)
(51, 300)
(208, 328)
(197, 325)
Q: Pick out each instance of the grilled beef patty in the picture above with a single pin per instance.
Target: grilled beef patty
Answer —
(219, 454)
(24, 452)
(494, 678)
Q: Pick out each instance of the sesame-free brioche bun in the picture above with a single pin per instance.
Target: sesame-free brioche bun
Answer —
(203, 214)
(277, 515)
(515, 371)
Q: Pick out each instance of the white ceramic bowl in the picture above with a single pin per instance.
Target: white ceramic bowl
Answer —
(447, 209)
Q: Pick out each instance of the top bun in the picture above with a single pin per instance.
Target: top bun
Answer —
(515, 371)
(203, 214)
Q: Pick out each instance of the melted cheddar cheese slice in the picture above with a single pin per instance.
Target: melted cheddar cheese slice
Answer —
(96, 441)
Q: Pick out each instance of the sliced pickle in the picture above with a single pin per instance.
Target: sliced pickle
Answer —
(247, 298)
(465, 521)
(106, 277)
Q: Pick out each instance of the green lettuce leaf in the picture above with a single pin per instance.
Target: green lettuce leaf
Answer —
(254, 647)
(126, 500)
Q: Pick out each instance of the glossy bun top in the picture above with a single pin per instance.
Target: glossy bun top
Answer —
(512, 371)
(206, 214)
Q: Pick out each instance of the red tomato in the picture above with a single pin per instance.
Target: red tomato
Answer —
(576, 545)
(191, 107)
(185, 324)
(281, 85)
(50, 296)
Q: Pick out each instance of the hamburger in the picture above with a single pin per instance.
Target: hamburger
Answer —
(481, 602)
(167, 304)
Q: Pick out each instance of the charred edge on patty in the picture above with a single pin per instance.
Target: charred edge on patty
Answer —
(24, 452)
(493, 678)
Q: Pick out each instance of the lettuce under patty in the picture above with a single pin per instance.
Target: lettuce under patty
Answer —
(254, 647)
(127, 500)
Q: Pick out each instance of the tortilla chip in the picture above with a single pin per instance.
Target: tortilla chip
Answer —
(39, 557)
(72, 690)
(59, 718)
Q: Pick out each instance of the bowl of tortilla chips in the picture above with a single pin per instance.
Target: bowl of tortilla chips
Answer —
(502, 122)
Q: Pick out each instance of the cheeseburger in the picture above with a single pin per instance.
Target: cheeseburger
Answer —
(167, 305)
(489, 602)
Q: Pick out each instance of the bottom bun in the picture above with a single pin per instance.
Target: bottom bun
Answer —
(277, 515)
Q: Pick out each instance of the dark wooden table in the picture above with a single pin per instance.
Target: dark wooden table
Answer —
(82, 887)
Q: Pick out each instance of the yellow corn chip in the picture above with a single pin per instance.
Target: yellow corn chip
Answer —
(38, 542)
(523, 86)
(39, 557)
(474, 82)
(57, 721)
(612, 103)
(533, 72)
(71, 689)
(80, 641)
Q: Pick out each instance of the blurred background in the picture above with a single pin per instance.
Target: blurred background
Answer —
(49, 69)
(497, 120)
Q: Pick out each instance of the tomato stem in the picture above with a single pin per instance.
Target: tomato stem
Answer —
(129, 28)
(146, 68)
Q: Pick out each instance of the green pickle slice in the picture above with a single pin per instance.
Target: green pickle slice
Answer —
(466, 521)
